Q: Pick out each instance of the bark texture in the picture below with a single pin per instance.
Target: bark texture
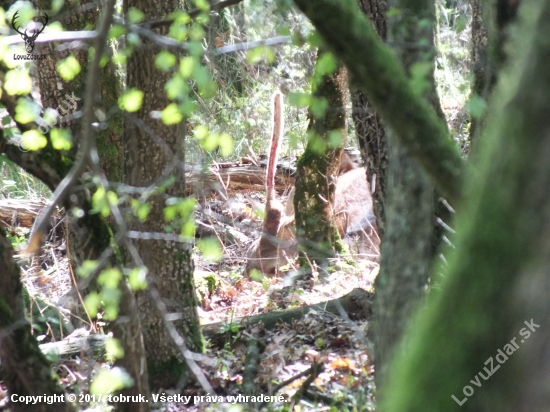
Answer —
(146, 164)
(25, 370)
(317, 174)
(407, 245)
(369, 129)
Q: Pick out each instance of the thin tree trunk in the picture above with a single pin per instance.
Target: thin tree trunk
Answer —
(369, 128)
(317, 173)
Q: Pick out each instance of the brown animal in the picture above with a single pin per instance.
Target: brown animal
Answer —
(352, 209)
(267, 253)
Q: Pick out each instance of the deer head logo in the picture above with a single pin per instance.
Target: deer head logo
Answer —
(29, 38)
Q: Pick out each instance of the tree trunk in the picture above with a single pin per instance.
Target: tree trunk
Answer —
(493, 299)
(407, 244)
(317, 173)
(90, 235)
(24, 370)
(169, 263)
(369, 129)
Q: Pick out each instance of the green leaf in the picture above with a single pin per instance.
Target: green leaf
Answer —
(26, 110)
(68, 68)
(17, 82)
(202, 5)
(131, 100)
(420, 75)
(187, 64)
(326, 64)
(165, 60)
(109, 381)
(210, 248)
(56, 5)
(114, 349)
(257, 54)
(141, 209)
(102, 201)
(335, 138)
(188, 229)
(110, 277)
(87, 267)
(171, 114)
(135, 15)
(226, 144)
(116, 31)
(393, 12)
(33, 140)
(200, 132)
(196, 32)
(92, 301)
(299, 99)
(477, 106)
(178, 32)
(137, 278)
(256, 275)
(176, 88)
(319, 107)
(61, 139)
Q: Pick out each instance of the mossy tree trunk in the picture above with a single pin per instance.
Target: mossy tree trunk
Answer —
(407, 244)
(493, 300)
(317, 173)
(145, 164)
(369, 128)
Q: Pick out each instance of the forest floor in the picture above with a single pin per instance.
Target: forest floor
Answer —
(289, 350)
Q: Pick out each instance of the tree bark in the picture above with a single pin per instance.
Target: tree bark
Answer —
(407, 246)
(24, 370)
(90, 236)
(369, 128)
(317, 173)
(169, 263)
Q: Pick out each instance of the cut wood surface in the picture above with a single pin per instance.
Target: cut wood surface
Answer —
(357, 304)
(20, 212)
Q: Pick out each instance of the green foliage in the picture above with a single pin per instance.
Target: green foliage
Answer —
(477, 106)
(17, 82)
(114, 349)
(68, 68)
(26, 110)
(165, 60)
(210, 248)
(135, 15)
(137, 278)
(61, 139)
(103, 200)
(109, 381)
(33, 140)
(131, 100)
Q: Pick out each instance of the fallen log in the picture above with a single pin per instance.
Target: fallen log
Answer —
(357, 305)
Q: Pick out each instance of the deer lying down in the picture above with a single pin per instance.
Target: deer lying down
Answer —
(352, 209)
